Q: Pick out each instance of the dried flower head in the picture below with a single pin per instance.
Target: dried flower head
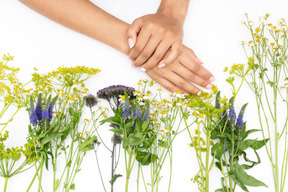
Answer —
(90, 100)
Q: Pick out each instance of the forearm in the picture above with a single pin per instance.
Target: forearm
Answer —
(175, 8)
(86, 18)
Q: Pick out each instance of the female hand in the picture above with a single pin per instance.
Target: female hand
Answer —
(151, 36)
(182, 72)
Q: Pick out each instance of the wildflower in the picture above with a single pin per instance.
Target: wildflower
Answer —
(239, 121)
(147, 111)
(201, 115)
(90, 100)
(126, 109)
(116, 139)
(112, 93)
(38, 108)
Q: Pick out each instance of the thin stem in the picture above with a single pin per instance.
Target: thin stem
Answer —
(5, 184)
(33, 179)
(99, 170)
(41, 172)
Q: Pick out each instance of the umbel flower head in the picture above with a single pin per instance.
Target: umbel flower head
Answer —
(41, 114)
(112, 94)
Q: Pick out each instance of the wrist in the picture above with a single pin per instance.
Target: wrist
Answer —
(175, 10)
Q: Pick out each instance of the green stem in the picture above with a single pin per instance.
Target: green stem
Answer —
(41, 171)
(207, 162)
(33, 179)
(276, 142)
(5, 185)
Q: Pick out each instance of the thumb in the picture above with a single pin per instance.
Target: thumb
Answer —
(133, 31)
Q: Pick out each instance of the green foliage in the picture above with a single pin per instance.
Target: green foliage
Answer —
(232, 143)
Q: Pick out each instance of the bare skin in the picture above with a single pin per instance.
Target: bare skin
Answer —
(82, 16)
(151, 36)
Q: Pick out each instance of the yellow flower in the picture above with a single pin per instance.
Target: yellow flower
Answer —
(86, 120)
(201, 115)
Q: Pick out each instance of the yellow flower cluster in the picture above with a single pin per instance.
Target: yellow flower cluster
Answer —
(10, 87)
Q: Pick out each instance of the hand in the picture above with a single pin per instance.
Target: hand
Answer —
(157, 33)
(182, 72)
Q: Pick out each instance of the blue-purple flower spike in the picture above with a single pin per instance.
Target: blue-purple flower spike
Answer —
(33, 118)
(240, 121)
(38, 108)
(147, 111)
(126, 109)
(232, 113)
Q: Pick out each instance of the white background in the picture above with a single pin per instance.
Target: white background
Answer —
(213, 30)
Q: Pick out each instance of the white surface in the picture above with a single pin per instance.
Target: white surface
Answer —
(213, 30)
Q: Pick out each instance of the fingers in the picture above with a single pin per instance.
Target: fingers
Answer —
(141, 42)
(191, 62)
(164, 82)
(147, 52)
(175, 51)
(133, 31)
(172, 81)
(157, 56)
(182, 71)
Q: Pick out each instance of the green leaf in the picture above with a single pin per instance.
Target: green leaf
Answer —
(246, 179)
(148, 143)
(115, 177)
(145, 158)
(116, 130)
(71, 111)
(50, 137)
(113, 119)
(87, 145)
(246, 133)
(133, 140)
(145, 125)
(163, 144)
(72, 186)
(252, 143)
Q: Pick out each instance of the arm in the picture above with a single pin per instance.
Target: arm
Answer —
(151, 36)
(86, 18)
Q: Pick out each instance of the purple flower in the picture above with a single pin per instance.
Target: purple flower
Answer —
(38, 109)
(138, 112)
(147, 111)
(239, 121)
(33, 118)
(112, 93)
(126, 109)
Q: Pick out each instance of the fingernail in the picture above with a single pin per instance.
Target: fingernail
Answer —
(142, 69)
(200, 61)
(161, 65)
(209, 86)
(212, 78)
(130, 43)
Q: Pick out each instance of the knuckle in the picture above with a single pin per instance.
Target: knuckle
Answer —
(145, 54)
(195, 67)
(137, 48)
(182, 83)
(157, 56)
